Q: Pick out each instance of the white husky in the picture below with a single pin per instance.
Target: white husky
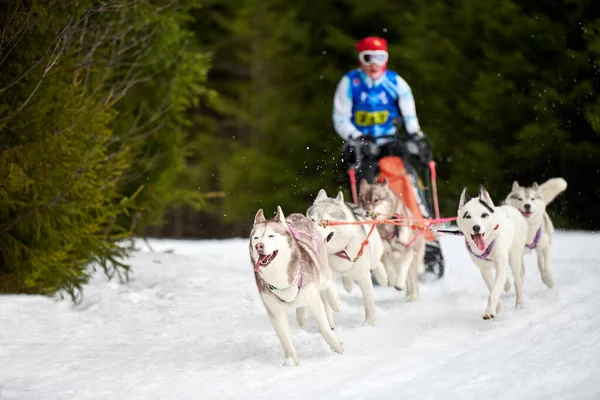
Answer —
(344, 243)
(291, 271)
(493, 236)
(531, 202)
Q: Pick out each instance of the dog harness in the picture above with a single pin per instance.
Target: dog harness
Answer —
(298, 283)
(536, 239)
(297, 233)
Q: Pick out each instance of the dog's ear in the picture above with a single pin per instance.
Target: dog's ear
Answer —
(322, 195)
(535, 186)
(485, 197)
(259, 218)
(279, 217)
(515, 186)
(385, 182)
(340, 197)
(464, 197)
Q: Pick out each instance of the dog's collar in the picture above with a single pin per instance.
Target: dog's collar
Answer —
(536, 239)
(485, 254)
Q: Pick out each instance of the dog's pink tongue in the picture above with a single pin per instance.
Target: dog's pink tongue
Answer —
(478, 238)
(259, 260)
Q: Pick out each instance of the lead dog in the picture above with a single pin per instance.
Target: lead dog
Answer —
(291, 271)
(493, 236)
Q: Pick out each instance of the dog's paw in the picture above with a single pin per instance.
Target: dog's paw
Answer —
(412, 297)
(519, 305)
(338, 347)
(369, 321)
(549, 281)
(398, 288)
(487, 316)
(290, 362)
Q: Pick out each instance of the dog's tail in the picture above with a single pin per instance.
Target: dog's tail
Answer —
(552, 188)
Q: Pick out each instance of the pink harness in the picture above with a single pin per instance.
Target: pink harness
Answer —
(297, 233)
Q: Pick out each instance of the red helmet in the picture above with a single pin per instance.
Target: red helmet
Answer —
(371, 43)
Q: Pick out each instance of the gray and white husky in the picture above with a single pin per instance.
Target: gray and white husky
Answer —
(343, 243)
(494, 236)
(531, 202)
(291, 271)
(403, 253)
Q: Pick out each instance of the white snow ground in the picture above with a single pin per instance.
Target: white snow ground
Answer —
(190, 325)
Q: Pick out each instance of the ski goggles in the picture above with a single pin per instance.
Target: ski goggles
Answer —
(377, 57)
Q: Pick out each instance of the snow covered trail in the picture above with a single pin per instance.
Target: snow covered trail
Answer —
(190, 325)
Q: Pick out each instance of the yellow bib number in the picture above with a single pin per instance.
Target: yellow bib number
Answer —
(365, 118)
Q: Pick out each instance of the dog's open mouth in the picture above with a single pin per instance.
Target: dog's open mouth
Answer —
(264, 260)
(478, 239)
(526, 214)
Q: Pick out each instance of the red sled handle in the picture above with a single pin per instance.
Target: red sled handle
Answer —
(434, 187)
(352, 175)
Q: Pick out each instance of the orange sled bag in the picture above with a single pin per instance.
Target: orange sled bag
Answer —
(392, 168)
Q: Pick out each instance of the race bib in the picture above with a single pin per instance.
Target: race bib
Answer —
(366, 118)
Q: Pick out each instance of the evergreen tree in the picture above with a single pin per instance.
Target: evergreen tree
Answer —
(91, 133)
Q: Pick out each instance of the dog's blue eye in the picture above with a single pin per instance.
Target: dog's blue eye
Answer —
(485, 215)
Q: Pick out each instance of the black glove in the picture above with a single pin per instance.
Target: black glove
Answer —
(423, 143)
(367, 145)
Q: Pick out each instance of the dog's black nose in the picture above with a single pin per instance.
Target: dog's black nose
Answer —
(260, 247)
(527, 207)
(330, 236)
(476, 228)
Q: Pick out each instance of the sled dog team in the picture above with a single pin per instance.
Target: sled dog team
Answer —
(296, 258)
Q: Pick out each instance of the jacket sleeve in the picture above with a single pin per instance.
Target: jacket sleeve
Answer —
(406, 102)
(342, 111)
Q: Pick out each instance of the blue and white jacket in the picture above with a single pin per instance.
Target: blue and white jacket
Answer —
(362, 106)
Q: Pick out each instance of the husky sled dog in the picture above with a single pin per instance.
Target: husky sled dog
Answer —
(531, 202)
(403, 253)
(291, 271)
(343, 244)
(493, 236)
